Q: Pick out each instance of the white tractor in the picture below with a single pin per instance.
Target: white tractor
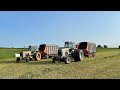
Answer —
(68, 53)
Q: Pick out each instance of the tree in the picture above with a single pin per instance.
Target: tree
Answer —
(99, 46)
(119, 46)
(105, 46)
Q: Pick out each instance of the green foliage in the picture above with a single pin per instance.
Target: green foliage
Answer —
(99, 46)
(105, 46)
(119, 47)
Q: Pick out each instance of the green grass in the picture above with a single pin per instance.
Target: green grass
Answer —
(8, 53)
(106, 65)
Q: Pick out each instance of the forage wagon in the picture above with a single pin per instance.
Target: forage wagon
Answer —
(89, 48)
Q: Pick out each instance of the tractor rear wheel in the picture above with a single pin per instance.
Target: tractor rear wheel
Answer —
(37, 56)
(75, 56)
(78, 55)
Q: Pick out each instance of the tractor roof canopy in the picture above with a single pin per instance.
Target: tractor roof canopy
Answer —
(69, 44)
(33, 48)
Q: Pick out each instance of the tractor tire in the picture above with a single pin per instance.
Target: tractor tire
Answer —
(67, 60)
(37, 56)
(75, 56)
(17, 60)
(30, 59)
(27, 60)
(78, 55)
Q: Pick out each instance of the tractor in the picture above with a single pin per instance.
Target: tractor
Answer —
(32, 53)
(68, 53)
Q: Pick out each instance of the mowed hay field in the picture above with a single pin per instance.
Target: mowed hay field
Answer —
(106, 65)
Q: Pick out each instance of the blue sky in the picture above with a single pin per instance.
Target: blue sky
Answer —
(24, 28)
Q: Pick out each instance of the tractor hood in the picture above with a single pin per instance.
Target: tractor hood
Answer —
(17, 55)
(63, 48)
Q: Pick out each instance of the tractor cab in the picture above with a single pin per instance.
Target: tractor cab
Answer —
(33, 48)
(67, 49)
(70, 45)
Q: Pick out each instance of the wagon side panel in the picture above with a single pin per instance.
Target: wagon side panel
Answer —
(52, 50)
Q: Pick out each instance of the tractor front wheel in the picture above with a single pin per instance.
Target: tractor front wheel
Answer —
(17, 60)
(67, 60)
(27, 60)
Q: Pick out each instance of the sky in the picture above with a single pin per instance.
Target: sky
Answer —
(24, 28)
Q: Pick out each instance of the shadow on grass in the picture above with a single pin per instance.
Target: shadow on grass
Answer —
(48, 63)
(45, 62)
(42, 62)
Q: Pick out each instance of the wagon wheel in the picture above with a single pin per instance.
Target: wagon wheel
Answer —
(37, 56)
(46, 57)
(93, 54)
(88, 55)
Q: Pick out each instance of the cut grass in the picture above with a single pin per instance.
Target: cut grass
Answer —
(106, 65)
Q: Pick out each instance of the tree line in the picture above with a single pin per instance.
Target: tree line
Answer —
(105, 46)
